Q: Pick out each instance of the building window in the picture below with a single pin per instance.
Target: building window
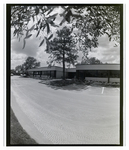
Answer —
(31, 73)
(91, 73)
(52, 73)
(99, 73)
(96, 73)
(35, 72)
(46, 73)
(102, 73)
(43, 72)
(40, 72)
(114, 74)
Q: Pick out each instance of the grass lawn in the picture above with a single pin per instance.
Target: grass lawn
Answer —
(18, 134)
(60, 83)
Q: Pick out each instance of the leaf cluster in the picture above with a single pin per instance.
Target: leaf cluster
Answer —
(62, 47)
(22, 15)
(91, 20)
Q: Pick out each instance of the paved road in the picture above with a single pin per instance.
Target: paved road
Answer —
(65, 116)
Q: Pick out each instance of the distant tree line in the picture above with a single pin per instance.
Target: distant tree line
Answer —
(31, 62)
(91, 60)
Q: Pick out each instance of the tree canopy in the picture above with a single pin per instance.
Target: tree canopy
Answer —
(18, 69)
(62, 48)
(91, 60)
(30, 62)
(91, 20)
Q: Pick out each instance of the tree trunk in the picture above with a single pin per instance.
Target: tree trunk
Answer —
(63, 65)
(108, 76)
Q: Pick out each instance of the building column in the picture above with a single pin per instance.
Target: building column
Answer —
(108, 76)
(55, 73)
(50, 74)
(40, 73)
(77, 74)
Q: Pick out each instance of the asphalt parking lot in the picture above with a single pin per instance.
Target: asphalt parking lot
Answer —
(66, 115)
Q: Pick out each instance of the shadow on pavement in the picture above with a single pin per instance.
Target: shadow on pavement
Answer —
(65, 85)
(75, 85)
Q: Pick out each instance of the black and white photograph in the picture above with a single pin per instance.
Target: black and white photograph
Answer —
(64, 74)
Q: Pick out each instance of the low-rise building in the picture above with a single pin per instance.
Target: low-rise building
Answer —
(99, 72)
(96, 72)
(53, 72)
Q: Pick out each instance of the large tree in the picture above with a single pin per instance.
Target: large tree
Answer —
(62, 48)
(13, 71)
(91, 20)
(29, 63)
(18, 69)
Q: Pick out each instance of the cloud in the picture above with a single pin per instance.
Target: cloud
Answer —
(17, 59)
(42, 57)
(106, 52)
(30, 49)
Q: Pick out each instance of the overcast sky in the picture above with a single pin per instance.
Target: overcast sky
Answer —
(106, 52)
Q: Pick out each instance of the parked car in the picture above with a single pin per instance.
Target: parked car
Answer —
(23, 75)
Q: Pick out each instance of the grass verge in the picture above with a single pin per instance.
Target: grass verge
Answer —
(60, 83)
(18, 134)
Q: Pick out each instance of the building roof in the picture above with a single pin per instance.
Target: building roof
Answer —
(45, 68)
(96, 64)
(98, 67)
(71, 70)
(80, 67)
